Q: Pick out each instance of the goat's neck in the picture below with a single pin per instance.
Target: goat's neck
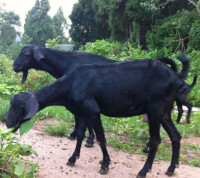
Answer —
(54, 63)
(51, 95)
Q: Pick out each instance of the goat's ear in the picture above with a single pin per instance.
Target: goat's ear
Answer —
(38, 54)
(31, 107)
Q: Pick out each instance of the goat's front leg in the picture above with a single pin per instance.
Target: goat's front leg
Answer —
(73, 135)
(155, 140)
(98, 128)
(80, 136)
(175, 138)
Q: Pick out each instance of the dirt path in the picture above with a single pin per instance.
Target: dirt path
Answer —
(55, 151)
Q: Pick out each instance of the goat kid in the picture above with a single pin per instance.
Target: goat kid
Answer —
(122, 89)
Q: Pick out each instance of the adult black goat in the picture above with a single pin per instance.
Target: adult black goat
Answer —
(58, 63)
(121, 89)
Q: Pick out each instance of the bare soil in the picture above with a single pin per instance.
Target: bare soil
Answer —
(54, 152)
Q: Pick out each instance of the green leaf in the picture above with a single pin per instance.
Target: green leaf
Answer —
(19, 169)
(5, 176)
(28, 174)
(7, 131)
(34, 152)
(26, 126)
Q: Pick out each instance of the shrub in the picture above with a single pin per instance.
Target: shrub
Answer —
(11, 163)
(172, 32)
(194, 36)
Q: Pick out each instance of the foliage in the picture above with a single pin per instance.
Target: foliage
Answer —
(38, 24)
(7, 91)
(171, 32)
(13, 50)
(8, 33)
(85, 28)
(59, 129)
(59, 26)
(11, 162)
(194, 36)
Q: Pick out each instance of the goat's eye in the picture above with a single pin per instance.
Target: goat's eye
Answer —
(27, 52)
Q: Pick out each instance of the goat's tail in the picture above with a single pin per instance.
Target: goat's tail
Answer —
(168, 61)
(194, 82)
(186, 64)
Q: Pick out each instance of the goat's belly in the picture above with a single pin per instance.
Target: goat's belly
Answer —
(115, 111)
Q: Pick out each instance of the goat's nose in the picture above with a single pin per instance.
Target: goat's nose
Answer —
(16, 68)
(9, 124)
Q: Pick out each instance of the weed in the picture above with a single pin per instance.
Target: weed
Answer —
(12, 165)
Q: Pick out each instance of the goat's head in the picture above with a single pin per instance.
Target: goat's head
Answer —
(23, 106)
(27, 59)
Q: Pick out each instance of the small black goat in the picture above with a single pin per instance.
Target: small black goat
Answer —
(58, 63)
(181, 100)
(122, 89)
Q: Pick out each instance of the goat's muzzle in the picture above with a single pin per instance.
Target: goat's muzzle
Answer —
(17, 68)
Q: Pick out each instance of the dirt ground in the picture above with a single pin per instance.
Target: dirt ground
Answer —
(54, 152)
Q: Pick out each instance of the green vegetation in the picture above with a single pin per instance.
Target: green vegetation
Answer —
(12, 165)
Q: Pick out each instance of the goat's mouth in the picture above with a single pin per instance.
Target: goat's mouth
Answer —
(15, 127)
(17, 68)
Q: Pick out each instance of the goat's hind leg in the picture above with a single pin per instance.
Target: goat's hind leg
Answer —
(189, 106)
(154, 129)
(180, 111)
(90, 140)
(175, 138)
(80, 136)
(73, 135)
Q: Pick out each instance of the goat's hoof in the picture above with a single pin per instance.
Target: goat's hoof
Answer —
(70, 163)
(104, 171)
(169, 173)
(188, 121)
(71, 137)
(101, 162)
(139, 176)
(146, 150)
(89, 145)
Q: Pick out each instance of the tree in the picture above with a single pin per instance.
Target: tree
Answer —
(8, 33)
(59, 26)
(196, 4)
(85, 26)
(38, 24)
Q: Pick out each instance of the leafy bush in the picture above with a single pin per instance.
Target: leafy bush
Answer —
(194, 36)
(13, 50)
(172, 32)
(12, 165)
(7, 91)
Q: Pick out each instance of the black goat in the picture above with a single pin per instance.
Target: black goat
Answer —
(58, 63)
(122, 89)
(181, 100)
